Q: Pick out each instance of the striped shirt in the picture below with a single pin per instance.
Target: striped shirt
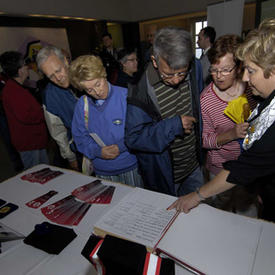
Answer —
(172, 102)
(216, 122)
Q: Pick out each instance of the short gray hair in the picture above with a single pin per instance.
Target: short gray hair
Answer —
(47, 51)
(174, 45)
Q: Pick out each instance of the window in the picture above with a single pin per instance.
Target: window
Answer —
(198, 26)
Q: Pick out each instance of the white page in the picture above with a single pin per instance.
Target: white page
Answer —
(213, 241)
(265, 259)
(141, 217)
(97, 139)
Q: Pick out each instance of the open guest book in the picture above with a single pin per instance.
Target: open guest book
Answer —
(204, 241)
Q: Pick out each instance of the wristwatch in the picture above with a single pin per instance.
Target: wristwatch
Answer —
(202, 198)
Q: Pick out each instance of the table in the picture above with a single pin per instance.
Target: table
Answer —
(25, 259)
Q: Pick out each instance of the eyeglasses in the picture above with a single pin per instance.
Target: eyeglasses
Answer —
(165, 76)
(223, 72)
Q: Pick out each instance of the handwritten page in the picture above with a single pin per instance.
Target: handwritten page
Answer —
(140, 217)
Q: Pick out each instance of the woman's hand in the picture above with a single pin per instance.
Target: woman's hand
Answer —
(185, 203)
(241, 130)
(238, 131)
(110, 152)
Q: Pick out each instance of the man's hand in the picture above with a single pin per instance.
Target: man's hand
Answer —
(73, 165)
(110, 152)
(188, 123)
(185, 203)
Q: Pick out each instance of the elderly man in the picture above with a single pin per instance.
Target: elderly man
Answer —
(163, 116)
(206, 39)
(58, 101)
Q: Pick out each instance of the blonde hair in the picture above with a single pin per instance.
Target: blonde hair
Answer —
(259, 48)
(86, 67)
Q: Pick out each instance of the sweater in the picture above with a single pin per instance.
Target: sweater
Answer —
(108, 122)
(25, 118)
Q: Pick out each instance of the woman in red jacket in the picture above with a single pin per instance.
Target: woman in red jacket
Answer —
(25, 115)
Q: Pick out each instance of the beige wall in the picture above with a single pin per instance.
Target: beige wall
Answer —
(186, 20)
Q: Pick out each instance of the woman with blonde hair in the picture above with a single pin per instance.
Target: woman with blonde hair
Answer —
(255, 166)
(99, 122)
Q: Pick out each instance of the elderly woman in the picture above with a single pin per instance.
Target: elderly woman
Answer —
(255, 166)
(128, 67)
(98, 125)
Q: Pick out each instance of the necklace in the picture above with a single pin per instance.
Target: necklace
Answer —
(231, 93)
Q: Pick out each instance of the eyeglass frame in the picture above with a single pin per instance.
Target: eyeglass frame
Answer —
(132, 59)
(170, 76)
(223, 72)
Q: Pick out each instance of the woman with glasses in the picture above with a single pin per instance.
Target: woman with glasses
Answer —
(255, 166)
(99, 121)
(220, 134)
(128, 68)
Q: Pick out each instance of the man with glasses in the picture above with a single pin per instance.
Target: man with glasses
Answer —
(163, 116)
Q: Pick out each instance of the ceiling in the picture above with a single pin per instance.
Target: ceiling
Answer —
(110, 10)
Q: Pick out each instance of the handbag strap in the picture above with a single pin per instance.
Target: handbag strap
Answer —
(86, 111)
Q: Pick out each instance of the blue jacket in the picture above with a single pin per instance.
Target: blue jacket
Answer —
(59, 104)
(108, 122)
(149, 137)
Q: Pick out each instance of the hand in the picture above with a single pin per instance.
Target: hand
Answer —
(187, 123)
(241, 129)
(74, 165)
(110, 152)
(185, 203)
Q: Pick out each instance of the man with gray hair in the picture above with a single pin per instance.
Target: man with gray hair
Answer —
(163, 125)
(58, 101)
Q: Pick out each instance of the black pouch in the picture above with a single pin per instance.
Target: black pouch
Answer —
(50, 238)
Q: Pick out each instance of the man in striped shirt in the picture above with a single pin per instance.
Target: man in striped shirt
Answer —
(163, 116)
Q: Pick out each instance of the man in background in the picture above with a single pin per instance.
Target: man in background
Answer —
(58, 101)
(147, 45)
(206, 39)
(109, 56)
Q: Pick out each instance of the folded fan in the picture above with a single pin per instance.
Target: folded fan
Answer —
(238, 109)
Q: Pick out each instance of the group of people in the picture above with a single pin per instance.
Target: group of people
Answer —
(254, 168)
(154, 133)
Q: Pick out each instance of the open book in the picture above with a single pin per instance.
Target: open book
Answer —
(205, 241)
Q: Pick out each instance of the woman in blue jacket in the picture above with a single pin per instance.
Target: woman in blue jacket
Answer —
(98, 125)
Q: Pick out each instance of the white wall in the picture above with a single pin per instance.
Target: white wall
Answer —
(117, 10)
